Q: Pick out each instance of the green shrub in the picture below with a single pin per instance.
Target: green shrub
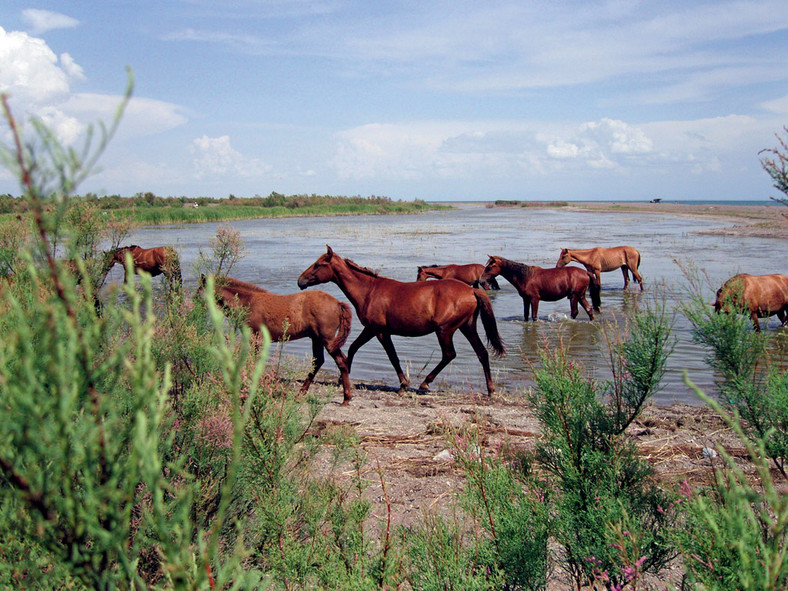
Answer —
(735, 535)
(601, 487)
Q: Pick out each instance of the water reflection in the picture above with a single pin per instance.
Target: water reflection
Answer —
(278, 250)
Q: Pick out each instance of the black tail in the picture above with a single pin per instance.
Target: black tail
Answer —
(488, 321)
(596, 292)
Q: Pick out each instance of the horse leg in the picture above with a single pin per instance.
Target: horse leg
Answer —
(755, 323)
(637, 277)
(388, 345)
(534, 308)
(447, 354)
(481, 352)
(624, 269)
(361, 340)
(526, 307)
(317, 362)
(573, 311)
(344, 376)
(586, 307)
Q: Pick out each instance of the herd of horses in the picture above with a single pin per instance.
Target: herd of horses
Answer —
(455, 301)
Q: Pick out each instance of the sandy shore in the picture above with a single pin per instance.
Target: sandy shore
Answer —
(756, 221)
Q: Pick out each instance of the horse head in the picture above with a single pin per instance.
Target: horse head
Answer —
(565, 258)
(491, 269)
(318, 272)
(421, 274)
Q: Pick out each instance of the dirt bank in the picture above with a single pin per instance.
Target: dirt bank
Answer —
(407, 436)
(754, 221)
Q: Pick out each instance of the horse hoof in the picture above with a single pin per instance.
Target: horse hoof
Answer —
(345, 402)
(423, 389)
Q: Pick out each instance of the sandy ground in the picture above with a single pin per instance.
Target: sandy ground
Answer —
(406, 437)
(755, 221)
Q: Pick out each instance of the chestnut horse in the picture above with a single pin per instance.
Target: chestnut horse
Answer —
(387, 307)
(599, 260)
(160, 260)
(760, 295)
(466, 273)
(535, 284)
(315, 314)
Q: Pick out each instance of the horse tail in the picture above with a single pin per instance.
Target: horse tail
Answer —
(484, 306)
(596, 292)
(345, 317)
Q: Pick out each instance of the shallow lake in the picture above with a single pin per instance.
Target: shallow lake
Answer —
(278, 250)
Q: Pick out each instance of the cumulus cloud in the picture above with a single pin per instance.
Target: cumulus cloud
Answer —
(214, 157)
(39, 84)
(41, 21)
(510, 149)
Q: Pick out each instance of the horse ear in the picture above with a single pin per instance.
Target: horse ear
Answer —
(329, 251)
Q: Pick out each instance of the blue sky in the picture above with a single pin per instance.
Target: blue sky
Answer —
(539, 100)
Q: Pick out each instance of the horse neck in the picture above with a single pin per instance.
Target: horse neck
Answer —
(581, 256)
(511, 270)
(354, 283)
(229, 293)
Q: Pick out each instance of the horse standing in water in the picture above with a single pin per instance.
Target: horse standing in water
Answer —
(387, 307)
(160, 260)
(599, 260)
(535, 284)
(760, 295)
(314, 314)
(469, 274)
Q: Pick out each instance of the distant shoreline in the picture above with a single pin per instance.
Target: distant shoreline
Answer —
(753, 221)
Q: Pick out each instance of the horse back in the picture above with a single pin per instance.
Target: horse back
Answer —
(417, 308)
(765, 294)
(610, 259)
(555, 283)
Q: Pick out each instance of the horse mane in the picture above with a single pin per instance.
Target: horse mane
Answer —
(233, 283)
(519, 269)
(360, 269)
(430, 266)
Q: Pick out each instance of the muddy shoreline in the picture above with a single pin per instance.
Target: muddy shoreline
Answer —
(754, 221)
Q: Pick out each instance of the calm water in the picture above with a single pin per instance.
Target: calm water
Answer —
(279, 250)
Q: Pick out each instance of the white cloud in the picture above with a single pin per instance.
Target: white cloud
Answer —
(215, 157)
(42, 21)
(71, 68)
(39, 85)
(778, 105)
(30, 72)
(526, 149)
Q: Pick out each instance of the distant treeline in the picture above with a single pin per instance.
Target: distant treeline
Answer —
(148, 208)
(11, 204)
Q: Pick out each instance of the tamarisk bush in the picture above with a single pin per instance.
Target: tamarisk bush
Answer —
(610, 519)
(734, 534)
(91, 495)
(748, 382)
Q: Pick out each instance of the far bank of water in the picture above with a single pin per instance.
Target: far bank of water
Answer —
(280, 249)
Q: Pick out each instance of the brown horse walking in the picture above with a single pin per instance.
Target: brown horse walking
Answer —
(159, 260)
(760, 295)
(600, 260)
(469, 274)
(314, 314)
(387, 307)
(535, 284)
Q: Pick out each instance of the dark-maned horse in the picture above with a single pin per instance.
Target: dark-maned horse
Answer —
(314, 314)
(760, 295)
(535, 284)
(469, 274)
(159, 260)
(600, 260)
(387, 307)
